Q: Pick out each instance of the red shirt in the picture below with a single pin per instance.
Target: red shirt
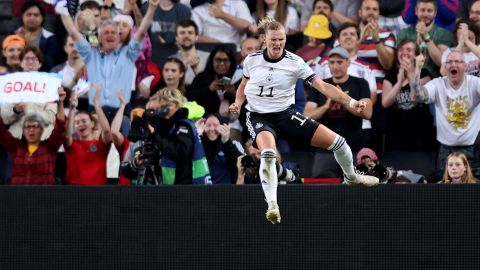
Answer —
(37, 168)
(87, 162)
(123, 151)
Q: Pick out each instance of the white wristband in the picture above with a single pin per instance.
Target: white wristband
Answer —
(352, 103)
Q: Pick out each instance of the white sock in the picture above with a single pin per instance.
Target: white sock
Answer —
(268, 175)
(343, 155)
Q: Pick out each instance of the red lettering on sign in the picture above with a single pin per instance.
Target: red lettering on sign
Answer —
(17, 86)
(8, 88)
(28, 87)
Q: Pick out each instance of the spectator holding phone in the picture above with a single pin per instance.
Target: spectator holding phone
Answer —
(212, 88)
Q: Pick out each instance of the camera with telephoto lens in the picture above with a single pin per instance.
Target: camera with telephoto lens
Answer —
(384, 173)
(249, 162)
(140, 131)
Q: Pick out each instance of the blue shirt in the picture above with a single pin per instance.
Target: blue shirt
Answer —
(113, 70)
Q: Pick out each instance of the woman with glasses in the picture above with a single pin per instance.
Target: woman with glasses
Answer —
(212, 88)
(31, 60)
(34, 159)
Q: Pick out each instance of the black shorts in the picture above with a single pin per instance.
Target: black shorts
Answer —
(289, 124)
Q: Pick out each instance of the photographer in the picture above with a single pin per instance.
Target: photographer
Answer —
(172, 142)
(249, 165)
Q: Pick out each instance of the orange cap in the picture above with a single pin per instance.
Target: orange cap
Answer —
(13, 40)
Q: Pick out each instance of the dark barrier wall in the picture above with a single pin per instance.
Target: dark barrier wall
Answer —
(223, 227)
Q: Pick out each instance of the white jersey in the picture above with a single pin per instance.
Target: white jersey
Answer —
(457, 112)
(271, 84)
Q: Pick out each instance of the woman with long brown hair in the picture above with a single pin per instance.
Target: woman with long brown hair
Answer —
(457, 170)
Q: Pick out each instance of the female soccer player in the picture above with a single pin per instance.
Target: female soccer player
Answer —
(268, 85)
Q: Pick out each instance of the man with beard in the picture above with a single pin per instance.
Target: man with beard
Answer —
(376, 49)
(432, 39)
(186, 35)
(33, 16)
(457, 112)
(472, 11)
(72, 69)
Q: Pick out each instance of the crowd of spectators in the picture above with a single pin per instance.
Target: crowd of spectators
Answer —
(419, 81)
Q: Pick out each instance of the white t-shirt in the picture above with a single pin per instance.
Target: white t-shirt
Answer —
(292, 22)
(68, 74)
(457, 111)
(218, 28)
(271, 84)
(355, 69)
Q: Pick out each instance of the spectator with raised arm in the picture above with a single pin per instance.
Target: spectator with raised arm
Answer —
(456, 98)
(73, 68)
(222, 21)
(466, 40)
(409, 125)
(212, 88)
(111, 65)
(165, 18)
(33, 159)
(432, 39)
(87, 155)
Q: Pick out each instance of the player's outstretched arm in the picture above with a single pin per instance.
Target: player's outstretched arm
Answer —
(339, 96)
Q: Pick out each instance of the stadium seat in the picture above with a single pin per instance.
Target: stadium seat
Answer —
(423, 163)
(303, 158)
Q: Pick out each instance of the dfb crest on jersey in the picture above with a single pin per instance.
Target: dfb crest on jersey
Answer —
(269, 78)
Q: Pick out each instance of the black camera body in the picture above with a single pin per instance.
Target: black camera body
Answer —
(385, 174)
(149, 150)
(139, 130)
(249, 162)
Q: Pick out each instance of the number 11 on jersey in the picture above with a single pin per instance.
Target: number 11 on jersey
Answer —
(267, 95)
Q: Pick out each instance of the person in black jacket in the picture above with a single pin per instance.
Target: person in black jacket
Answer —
(175, 140)
(221, 152)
